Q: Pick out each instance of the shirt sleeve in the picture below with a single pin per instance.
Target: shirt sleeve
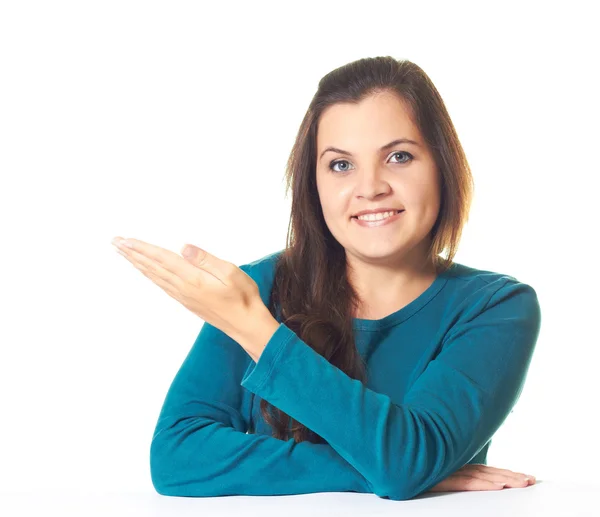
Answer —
(200, 446)
(450, 412)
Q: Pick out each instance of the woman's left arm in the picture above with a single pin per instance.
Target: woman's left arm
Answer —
(451, 411)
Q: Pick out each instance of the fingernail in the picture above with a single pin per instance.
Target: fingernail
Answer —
(501, 484)
(189, 252)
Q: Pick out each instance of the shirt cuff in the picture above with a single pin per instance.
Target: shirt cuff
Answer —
(258, 374)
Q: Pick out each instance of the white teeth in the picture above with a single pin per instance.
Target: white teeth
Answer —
(377, 217)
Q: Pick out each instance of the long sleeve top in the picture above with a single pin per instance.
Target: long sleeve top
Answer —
(444, 372)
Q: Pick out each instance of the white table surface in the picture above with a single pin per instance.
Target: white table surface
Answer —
(545, 498)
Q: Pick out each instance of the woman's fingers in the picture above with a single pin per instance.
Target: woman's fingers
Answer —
(486, 469)
(513, 479)
(460, 483)
(482, 477)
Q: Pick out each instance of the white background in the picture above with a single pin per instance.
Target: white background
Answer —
(171, 122)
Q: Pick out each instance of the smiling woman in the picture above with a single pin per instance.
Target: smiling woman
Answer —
(397, 189)
(447, 346)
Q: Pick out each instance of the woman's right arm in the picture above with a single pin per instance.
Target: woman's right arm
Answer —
(200, 446)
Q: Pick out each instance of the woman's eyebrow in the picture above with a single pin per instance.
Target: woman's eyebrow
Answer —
(383, 148)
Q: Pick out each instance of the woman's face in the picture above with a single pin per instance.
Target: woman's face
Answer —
(402, 176)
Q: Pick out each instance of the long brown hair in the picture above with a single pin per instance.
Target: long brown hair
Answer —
(311, 292)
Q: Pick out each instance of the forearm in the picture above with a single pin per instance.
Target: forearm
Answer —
(256, 331)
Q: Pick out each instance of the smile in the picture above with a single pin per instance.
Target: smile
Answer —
(376, 224)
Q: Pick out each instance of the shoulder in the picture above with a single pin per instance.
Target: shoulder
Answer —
(474, 291)
(482, 283)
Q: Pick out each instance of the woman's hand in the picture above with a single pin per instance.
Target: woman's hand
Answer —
(476, 476)
(217, 291)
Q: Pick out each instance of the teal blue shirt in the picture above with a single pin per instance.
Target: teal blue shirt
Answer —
(444, 372)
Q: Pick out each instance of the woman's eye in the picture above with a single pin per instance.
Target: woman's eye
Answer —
(408, 155)
(337, 162)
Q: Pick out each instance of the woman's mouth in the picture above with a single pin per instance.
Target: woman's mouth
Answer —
(376, 223)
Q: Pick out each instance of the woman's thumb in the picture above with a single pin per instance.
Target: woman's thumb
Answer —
(190, 252)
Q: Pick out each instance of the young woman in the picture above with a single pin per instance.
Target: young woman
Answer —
(390, 368)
